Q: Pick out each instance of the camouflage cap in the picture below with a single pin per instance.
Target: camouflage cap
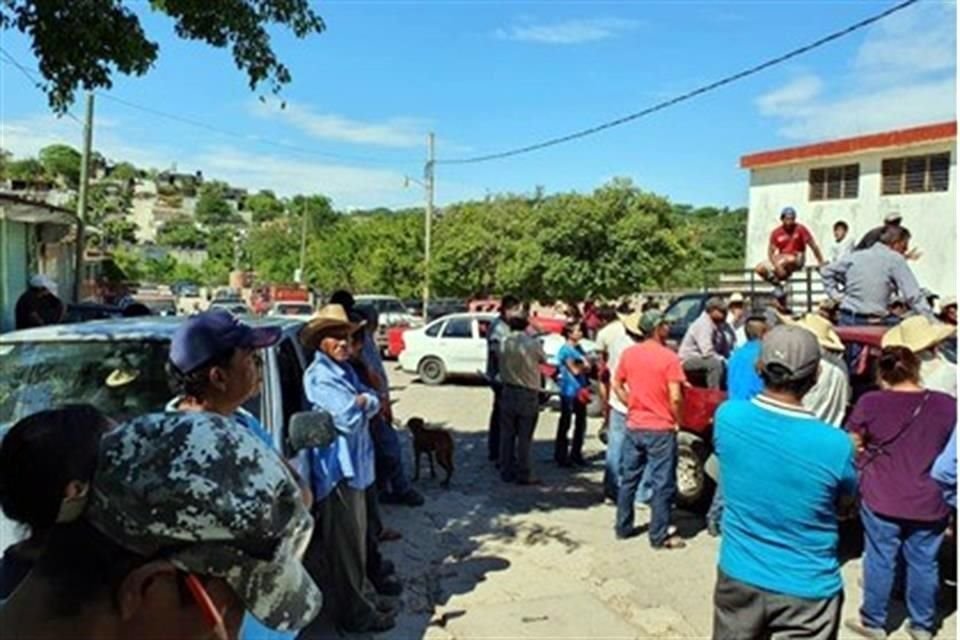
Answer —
(207, 495)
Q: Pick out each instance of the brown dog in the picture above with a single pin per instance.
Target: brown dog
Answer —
(433, 442)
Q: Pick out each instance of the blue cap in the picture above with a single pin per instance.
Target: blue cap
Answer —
(788, 211)
(203, 337)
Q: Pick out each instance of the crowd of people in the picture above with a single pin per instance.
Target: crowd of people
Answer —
(201, 499)
(195, 522)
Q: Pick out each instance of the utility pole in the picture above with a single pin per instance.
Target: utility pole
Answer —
(82, 197)
(303, 244)
(428, 177)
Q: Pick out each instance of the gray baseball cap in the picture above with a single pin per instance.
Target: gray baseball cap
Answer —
(716, 302)
(204, 493)
(793, 348)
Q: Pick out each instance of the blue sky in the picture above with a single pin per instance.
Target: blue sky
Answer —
(486, 76)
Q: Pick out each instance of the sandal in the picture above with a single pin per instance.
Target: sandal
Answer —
(389, 535)
(673, 542)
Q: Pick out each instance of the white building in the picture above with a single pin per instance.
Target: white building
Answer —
(860, 180)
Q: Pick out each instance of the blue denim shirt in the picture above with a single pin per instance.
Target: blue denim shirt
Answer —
(332, 387)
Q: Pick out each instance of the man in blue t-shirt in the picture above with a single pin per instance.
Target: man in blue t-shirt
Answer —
(785, 474)
(743, 383)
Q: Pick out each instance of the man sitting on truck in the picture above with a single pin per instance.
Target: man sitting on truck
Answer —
(705, 347)
(787, 249)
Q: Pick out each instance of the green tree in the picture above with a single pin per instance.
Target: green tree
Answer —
(319, 211)
(181, 232)
(81, 44)
(117, 231)
(28, 169)
(274, 250)
(264, 207)
(63, 161)
(124, 172)
(212, 206)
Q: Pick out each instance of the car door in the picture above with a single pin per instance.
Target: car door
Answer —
(455, 345)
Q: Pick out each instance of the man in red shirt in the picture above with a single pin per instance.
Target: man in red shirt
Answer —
(648, 381)
(787, 248)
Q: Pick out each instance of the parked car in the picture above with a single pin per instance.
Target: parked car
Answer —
(445, 307)
(185, 289)
(683, 310)
(302, 310)
(119, 367)
(86, 311)
(452, 346)
(695, 440)
(551, 391)
(391, 312)
(235, 306)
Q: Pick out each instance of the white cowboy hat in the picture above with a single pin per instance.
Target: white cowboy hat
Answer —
(631, 322)
(331, 316)
(821, 327)
(917, 333)
(735, 298)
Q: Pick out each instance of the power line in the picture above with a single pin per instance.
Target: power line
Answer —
(686, 96)
(248, 136)
(208, 127)
(33, 80)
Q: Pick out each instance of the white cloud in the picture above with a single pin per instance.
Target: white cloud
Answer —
(393, 132)
(902, 74)
(568, 31)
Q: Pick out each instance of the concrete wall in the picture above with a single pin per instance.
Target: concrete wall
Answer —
(931, 217)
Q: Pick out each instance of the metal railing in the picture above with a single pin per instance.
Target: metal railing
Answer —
(804, 289)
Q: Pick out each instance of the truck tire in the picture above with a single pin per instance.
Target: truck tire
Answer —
(694, 486)
(432, 371)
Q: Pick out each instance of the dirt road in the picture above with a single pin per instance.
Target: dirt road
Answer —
(489, 560)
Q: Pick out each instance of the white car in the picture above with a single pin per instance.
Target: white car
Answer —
(298, 310)
(455, 345)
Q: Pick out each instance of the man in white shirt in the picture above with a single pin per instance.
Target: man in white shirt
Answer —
(925, 337)
(830, 396)
(842, 242)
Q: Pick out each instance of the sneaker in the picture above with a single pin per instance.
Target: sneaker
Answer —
(862, 630)
(917, 633)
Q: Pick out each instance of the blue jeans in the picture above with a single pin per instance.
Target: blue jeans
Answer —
(653, 452)
(715, 513)
(388, 457)
(885, 539)
(616, 432)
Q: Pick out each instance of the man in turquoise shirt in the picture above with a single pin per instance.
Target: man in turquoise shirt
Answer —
(784, 475)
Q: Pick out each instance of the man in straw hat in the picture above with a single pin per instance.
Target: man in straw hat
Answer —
(616, 432)
(829, 398)
(925, 338)
(342, 472)
(783, 472)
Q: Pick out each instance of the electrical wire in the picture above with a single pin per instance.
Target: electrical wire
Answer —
(211, 128)
(33, 80)
(836, 35)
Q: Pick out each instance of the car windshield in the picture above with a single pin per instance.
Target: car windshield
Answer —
(121, 378)
(295, 309)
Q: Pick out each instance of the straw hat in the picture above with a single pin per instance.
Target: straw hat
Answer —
(631, 322)
(328, 318)
(821, 327)
(917, 333)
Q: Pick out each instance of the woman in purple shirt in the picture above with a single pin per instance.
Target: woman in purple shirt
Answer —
(901, 430)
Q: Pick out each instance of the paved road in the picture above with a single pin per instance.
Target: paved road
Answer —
(489, 560)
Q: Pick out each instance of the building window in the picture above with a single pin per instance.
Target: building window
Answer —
(835, 183)
(916, 174)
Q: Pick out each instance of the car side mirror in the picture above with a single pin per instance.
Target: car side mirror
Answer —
(308, 430)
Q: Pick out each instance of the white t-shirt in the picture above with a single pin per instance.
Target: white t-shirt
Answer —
(620, 344)
(839, 249)
(608, 335)
(938, 374)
